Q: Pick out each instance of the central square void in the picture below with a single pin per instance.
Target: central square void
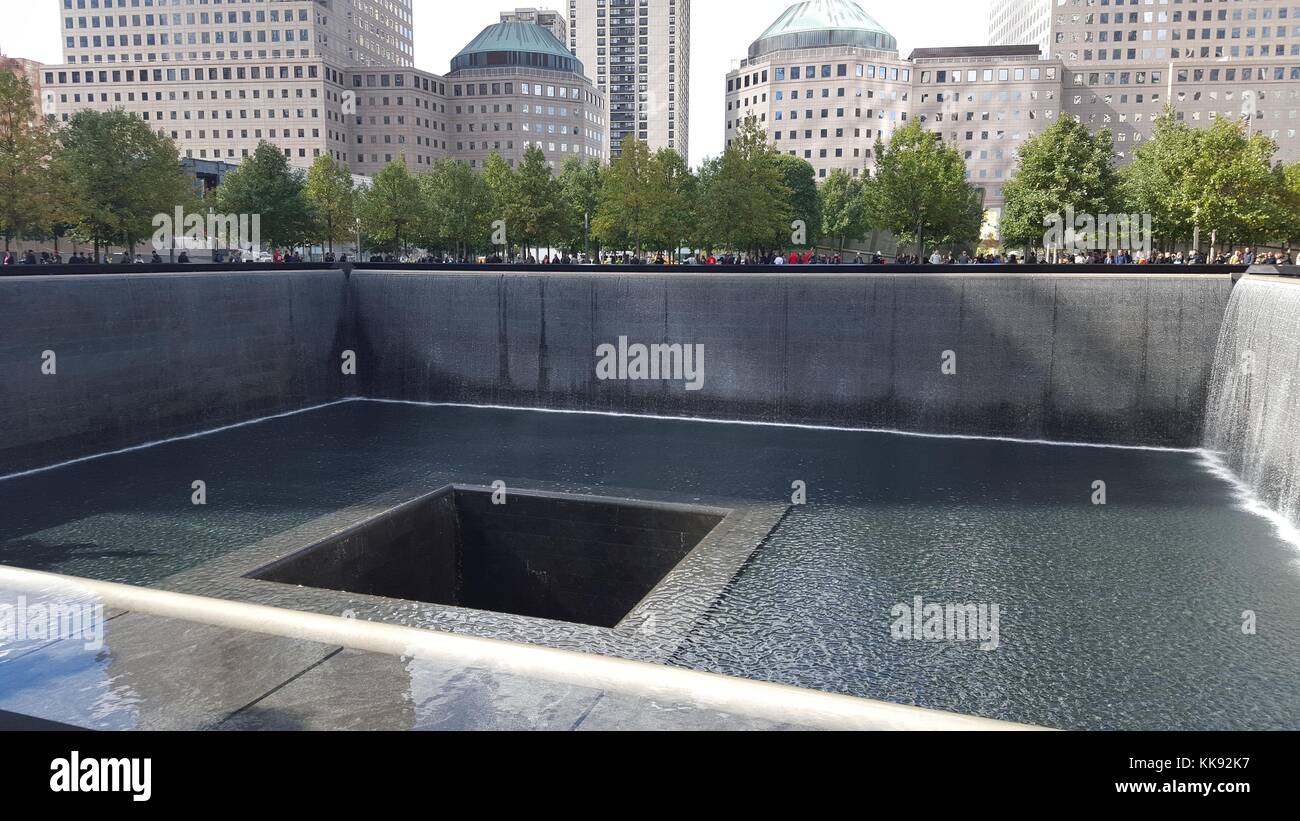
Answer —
(581, 559)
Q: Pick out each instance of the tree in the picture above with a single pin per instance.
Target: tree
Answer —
(702, 235)
(26, 148)
(844, 207)
(919, 191)
(115, 174)
(391, 209)
(801, 179)
(1157, 183)
(1290, 228)
(673, 194)
(580, 183)
(534, 213)
(330, 196)
(458, 205)
(1230, 186)
(1218, 182)
(624, 218)
(748, 202)
(501, 181)
(1065, 167)
(265, 186)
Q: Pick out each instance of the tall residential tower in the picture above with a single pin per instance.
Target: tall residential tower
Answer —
(638, 52)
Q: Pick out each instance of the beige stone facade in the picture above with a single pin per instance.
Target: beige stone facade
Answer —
(339, 86)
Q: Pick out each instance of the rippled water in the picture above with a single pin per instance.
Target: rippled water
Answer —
(1126, 615)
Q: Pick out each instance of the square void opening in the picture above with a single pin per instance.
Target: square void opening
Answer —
(577, 559)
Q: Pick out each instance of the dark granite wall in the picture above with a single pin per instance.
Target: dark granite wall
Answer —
(150, 356)
(1096, 358)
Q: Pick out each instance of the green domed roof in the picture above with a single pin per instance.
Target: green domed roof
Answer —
(497, 41)
(817, 23)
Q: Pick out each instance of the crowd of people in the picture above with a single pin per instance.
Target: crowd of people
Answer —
(1245, 256)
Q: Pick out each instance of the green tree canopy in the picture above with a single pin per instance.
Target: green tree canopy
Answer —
(1065, 167)
(747, 203)
(391, 209)
(266, 186)
(1231, 189)
(501, 181)
(458, 204)
(1290, 229)
(844, 207)
(1217, 182)
(26, 149)
(534, 213)
(625, 217)
(919, 192)
(801, 179)
(580, 184)
(331, 198)
(674, 192)
(1156, 182)
(115, 174)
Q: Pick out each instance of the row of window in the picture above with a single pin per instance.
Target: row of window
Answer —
(219, 18)
(828, 70)
(171, 75)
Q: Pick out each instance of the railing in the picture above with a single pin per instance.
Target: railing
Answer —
(1234, 271)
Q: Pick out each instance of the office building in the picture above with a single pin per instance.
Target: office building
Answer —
(1110, 66)
(324, 79)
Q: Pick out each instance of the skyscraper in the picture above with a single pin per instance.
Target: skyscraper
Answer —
(639, 53)
(1021, 22)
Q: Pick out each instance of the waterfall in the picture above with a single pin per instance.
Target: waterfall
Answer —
(1253, 414)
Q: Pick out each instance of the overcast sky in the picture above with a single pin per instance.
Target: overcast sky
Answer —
(721, 33)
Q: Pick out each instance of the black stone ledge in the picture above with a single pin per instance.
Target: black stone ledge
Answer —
(165, 268)
(1235, 271)
(1119, 271)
